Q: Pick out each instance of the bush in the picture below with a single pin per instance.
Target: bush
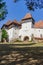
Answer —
(4, 35)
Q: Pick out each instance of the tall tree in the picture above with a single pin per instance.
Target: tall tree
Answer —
(3, 10)
(33, 4)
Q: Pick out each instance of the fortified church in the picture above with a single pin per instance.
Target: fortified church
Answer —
(24, 30)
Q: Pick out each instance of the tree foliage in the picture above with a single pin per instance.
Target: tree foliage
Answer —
(4, 34)
(3, 10)
(33, 4)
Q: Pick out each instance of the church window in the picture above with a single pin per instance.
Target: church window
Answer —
(19, 36)
(39, 30)
(41, 35)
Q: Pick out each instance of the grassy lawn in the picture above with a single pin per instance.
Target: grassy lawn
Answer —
(12, 55)
(21, 53)
(25, 44)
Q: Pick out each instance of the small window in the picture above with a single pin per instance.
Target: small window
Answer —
(41, 35)
(19, 36)
(39, 30)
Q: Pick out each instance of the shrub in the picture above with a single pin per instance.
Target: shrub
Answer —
(4, 35)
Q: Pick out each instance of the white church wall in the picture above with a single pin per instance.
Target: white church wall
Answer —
(24, 33)
(37, 32)
(25, 30)
(10, 33)
(13, 33)
(27, 25)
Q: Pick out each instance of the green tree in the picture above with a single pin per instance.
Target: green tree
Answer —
(33, 4)
(3, 10)
(4, 35)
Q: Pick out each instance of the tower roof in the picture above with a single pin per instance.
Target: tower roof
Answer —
(27, 16)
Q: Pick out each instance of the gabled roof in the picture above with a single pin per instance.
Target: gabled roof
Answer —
(39, 24)
(15, 22)
(27, 16)
(12, 22)
(8, 23)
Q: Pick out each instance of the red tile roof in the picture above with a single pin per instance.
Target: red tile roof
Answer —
(14, 22)
(8, 23)
(28, 15)
(39, 24)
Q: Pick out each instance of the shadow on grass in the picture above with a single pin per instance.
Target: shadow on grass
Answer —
(21, 56)
(10, 46)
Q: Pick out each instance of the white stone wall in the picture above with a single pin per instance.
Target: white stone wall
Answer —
(10, 33)
(13, 33)
(25, 30)
(37, 32)
(26, 25)
(24, 33)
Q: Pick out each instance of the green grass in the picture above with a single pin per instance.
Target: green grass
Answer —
(21, 52)
(25, 44)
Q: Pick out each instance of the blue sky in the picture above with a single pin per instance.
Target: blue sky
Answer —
(18, 11)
